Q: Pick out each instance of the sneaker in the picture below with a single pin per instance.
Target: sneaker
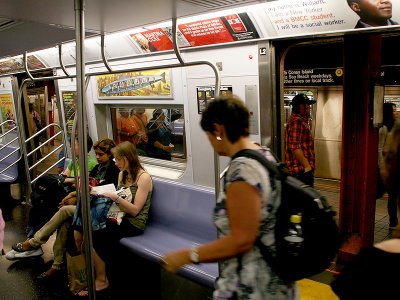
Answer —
(28, 254)
(394, 226)
(11, 255)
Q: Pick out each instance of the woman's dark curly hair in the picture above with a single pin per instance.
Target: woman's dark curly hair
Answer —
(229, 111)
(105, 145)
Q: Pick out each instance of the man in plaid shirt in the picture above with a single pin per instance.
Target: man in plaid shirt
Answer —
(299, 145)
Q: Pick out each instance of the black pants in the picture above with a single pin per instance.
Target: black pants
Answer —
(392, 208)
(306, 177)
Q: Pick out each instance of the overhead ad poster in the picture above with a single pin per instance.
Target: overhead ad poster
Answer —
(229, 28)
(16, 64)
(292, 17)
(152, 83)
(7, 110)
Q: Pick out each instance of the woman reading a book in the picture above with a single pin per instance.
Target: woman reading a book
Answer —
(132, 199)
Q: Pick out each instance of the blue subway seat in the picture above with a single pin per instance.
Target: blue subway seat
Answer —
(10, 174)
(180, 217)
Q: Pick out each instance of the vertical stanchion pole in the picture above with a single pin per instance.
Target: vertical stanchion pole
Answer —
(83, 185)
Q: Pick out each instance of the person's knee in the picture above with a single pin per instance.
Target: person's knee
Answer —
(67, 211)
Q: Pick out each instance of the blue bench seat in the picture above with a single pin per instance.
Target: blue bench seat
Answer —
(180, 217)
(9, 174)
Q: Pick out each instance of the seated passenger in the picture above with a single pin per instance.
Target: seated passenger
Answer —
(133, 176)
(159, 144)
(69, 173)
(40, 214)
(105, 172)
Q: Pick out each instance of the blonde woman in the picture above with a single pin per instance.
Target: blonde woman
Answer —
(133, 176)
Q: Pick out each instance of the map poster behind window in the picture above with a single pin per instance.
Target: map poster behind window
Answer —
(206, 94)
(151, 83)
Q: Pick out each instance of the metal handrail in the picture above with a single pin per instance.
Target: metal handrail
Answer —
(216, 93)
(61, 60)
(59, 133)
(103, 54)
(23, 145)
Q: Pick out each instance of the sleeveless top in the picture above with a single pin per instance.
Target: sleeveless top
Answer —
(140, 219)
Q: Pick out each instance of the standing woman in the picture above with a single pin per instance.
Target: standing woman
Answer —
(133, 176)
(245, 209)
(389, 117)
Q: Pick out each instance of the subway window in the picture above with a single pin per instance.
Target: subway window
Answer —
(158, 134)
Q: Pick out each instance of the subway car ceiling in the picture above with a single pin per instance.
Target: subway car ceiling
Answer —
(32, 25)
(127, 36)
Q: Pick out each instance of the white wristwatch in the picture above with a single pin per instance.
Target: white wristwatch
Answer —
(194, 255)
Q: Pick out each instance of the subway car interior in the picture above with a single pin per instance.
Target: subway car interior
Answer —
(95, 68)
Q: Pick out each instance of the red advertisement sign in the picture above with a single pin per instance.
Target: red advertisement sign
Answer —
(234, 27)
(153, 40)
(236, 23)
(206, 32)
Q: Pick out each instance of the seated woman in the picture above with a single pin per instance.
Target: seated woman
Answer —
(133, 176)
(105, 172)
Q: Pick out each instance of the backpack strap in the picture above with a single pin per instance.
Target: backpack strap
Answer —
(277, 169)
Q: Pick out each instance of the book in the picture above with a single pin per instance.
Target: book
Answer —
(104, 188)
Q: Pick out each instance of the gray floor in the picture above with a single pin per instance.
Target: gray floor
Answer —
(331, 190)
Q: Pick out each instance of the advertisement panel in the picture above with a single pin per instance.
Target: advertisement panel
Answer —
(7, 110)
(229, 28)
(152, 83)
(293, 17)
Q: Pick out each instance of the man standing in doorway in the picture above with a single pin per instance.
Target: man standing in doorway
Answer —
(372, 13)
(299, 145)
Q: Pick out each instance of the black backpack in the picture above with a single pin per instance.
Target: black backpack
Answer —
(48, 190)
(47, 193)
(319, 228)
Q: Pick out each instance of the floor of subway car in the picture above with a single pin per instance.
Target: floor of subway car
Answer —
(18, 279)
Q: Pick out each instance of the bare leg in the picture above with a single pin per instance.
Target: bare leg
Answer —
(101, 280)
(78, 237)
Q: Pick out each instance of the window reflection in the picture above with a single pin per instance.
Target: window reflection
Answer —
(156, 132)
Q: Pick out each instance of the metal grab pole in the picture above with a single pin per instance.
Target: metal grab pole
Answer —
(216, 93)
(83, 184)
